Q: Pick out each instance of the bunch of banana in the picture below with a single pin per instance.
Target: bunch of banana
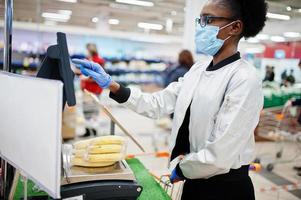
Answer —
(98, 152)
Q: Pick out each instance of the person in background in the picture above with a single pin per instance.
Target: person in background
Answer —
(185, 62)
(269, 74)
(87, 82)
(291, 78)
(91, 109)
(283, 78)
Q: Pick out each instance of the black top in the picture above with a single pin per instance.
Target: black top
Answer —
(182, 145)
(224, 62)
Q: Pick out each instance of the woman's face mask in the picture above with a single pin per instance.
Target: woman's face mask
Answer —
(206, 39)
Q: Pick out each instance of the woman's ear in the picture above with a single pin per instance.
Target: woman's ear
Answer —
(237, 28)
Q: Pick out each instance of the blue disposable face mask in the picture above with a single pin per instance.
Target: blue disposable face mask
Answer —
(206, 39)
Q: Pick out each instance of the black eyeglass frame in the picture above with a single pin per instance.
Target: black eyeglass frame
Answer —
(204, 19)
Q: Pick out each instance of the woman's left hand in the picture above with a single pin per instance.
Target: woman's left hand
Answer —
(174, 178)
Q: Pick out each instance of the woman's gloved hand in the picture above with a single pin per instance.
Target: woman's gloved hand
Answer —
(174, 178)
(95, 71)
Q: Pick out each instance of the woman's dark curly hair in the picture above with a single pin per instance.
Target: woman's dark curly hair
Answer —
(251, 12)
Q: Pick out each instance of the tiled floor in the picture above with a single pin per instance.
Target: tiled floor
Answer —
(153, 137)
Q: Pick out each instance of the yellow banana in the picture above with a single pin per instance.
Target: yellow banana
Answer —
(82, 163)
(102, 149)
(104, 140)
(110, 157)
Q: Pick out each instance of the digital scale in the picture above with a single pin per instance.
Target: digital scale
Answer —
(112, 182)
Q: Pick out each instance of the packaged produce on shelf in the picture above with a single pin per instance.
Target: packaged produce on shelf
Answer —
(99, 152)
(274, 95)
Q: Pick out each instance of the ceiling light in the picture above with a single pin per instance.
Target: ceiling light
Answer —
(65, 12)
(137, 2)
(277, 39)
(69, 1)
(278, 16)
(94, 19)
(150, 26)
(56, 16)
(299, 10)
(288, 8)
(169, 25)
(56, 19)
(263, 37)
(253, 40)
(173, 13)
(292, 34)
(113, 21)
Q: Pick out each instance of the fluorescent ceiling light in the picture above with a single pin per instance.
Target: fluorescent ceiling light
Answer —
(278, 16)
(150, 26)
(169, 25)
(137, 2)
(69, 1)
(94, 19)
(56, 16)
(288, 8)
(113, 21)
(292, 34)
(263, 37)
(277, 39)
(56, 20)
(173, 13)
(65, 12)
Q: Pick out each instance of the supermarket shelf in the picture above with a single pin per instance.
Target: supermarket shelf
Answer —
(19, 65)
(119, 71)
(137, 82)
(124, 59)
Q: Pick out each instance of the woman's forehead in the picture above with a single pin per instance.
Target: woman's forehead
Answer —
(214, 8)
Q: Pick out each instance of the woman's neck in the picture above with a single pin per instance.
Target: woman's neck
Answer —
(224, 53)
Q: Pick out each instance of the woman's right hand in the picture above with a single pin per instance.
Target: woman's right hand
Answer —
(95, 71)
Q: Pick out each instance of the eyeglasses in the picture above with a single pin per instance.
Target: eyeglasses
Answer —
(203, 20)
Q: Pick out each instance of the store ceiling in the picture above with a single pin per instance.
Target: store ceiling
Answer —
(128, 15)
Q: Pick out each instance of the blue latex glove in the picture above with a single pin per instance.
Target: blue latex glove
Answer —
(95, 71)
(174, 178)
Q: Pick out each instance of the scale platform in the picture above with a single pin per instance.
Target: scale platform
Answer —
(118, 171)
(114, 182)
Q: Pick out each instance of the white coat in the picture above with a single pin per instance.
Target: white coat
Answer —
(225, 108)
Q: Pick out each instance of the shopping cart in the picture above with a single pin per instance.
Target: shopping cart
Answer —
(173, 190)
(280, 125)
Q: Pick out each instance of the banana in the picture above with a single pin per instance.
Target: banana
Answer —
(103, 149)
(82, 163)
(109, 148)
(104, 140)
(110, 139)
(110, 157)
